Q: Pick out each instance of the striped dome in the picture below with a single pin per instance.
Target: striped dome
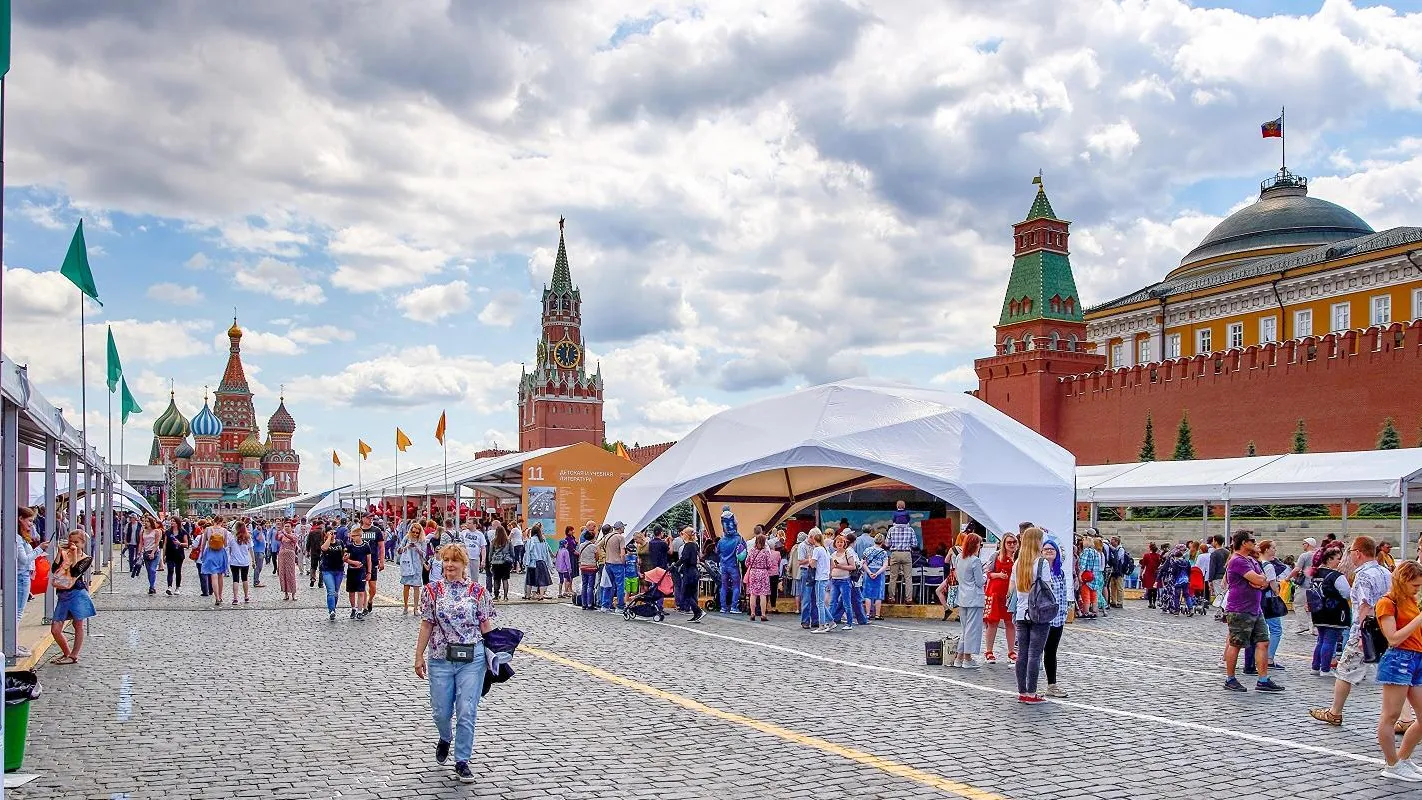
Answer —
(184, 450)
(172, 423)
(206, 423)
(281, 421)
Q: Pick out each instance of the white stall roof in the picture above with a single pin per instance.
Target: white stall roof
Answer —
(1173, 482)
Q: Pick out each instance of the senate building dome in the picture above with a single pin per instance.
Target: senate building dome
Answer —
(1284, 219)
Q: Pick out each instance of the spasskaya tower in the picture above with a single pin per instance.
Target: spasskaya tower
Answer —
(559, 402)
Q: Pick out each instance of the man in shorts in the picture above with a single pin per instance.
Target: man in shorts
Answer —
(1370, 581)
(1244, 612)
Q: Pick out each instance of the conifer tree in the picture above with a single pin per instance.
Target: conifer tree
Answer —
(1184, 442)
(1148, 446)
(1249, 451)
(1300, 438)
(1388, 438)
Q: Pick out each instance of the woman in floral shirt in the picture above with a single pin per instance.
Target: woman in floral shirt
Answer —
(455, 615)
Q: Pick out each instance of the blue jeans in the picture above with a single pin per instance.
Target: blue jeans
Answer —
(260, 558)
(839, 599)
(22, 592)
(809, 609)
(1326, 647)
(730, 588)
(332, 582)
(151, 564)
(1276, 635)
(856, 602)
(585, 598)
(454, 700)
(618, 590)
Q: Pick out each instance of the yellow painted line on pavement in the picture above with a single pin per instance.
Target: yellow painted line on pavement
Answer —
(889, 766)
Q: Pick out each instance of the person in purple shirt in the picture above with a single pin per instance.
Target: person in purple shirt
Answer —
(1245, 584)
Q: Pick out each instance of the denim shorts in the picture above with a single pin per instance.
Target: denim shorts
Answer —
(1400, 667)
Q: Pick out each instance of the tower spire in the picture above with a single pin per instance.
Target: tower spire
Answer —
(562, 276)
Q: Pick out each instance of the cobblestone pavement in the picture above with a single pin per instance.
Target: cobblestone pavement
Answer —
(177, 699)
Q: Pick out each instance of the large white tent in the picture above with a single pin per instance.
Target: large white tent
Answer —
(771, 458)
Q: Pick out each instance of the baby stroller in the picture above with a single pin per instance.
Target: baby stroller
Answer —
(647, 604)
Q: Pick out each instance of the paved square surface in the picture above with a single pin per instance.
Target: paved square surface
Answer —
(177, 699)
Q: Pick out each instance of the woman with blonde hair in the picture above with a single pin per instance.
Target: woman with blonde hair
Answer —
(455, 614)
(1399, 670)
(1031, 636)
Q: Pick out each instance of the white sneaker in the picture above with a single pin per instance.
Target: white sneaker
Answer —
(23, 652)
(1403, 771)
(971, 664)
(821, 629)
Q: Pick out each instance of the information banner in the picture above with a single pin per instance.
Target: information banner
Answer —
(572, 486)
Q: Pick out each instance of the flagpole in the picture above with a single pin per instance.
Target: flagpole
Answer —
(397, 482)
(84, 406)
(1283, 135)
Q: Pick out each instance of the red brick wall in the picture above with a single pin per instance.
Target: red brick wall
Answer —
(1343, 391)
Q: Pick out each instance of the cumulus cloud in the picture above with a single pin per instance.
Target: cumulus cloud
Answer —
(278, 279)
(413, 377)
(318, 334)
(174, 294)
(435, 302)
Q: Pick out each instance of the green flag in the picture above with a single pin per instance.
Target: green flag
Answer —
(4, 37)
(130, 406)
(76, 265)
(115, 368)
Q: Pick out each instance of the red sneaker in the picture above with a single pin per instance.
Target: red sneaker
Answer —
(1032, 699)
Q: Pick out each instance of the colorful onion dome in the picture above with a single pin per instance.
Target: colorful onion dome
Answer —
(172, 422)
(251, 447)
(184, 450)
(234, 332)
(206, 423)
(281, 421)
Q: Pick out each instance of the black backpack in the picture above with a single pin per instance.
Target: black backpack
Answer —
(1126, 565)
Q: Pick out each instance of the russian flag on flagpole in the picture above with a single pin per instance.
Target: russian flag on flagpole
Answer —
(1273, 129)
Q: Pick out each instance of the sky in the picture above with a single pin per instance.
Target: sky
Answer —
(758, 196)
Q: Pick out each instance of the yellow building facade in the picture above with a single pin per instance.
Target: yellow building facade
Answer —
(1285, 267)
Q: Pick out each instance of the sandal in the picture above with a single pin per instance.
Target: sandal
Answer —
(62, 659)
(1326, 715)
(1402, 726)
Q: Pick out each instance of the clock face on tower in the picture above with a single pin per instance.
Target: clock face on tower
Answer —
(567, 354)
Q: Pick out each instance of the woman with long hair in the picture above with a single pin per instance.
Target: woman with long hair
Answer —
(996, 610)
(239, 559)
(71, 596)
(1031, 636)
(1400, 669)
(971, 599)
(287, 542)
(758, 565)
(175, 552)
(501, 561)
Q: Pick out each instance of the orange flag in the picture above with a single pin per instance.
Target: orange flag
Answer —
(401, 440)
(363, 448)
(621, 450)
(335, 459)
(439, 429)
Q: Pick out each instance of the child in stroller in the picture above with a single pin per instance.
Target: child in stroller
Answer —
(648, 603)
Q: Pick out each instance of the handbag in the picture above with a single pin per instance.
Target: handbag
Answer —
(1373, 641)
(1087, 576)
(459, 653)
(1274, 606)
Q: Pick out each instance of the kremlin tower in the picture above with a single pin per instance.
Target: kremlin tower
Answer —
(227, 455)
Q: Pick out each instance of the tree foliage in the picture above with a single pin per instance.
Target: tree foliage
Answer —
(1250, 451)
(1148, 446)
(1388, 438)
(675, 518)
(1300, 438)
(1184, 440)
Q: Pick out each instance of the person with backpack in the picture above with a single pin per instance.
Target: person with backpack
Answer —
(1060, 581)
(1276, 573)
(1370, 583)
(213, 562)
(1032, 578)
(587, 571)
(1327, 599)
(1303, 567)
(1122, 566)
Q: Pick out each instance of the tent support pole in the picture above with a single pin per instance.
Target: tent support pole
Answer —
(9, 510)
(51, 512)
(1095, 514)
(1402, 543)
(1205, 523)
(1345, 518)
(1228, 532)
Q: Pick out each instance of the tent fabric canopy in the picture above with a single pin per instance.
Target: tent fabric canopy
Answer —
(280, 506)
(1297, 477)
(771, 458)
(436, 480)
(132, 499)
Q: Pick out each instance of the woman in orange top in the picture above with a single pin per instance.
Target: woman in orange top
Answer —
(1400, 669)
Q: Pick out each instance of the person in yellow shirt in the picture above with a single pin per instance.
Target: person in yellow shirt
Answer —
(1385, 558)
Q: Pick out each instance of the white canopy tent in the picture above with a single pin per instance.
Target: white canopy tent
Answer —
(501, 476)
(125, 496)
(297, 506)
(771, 458)
(1372, 475)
